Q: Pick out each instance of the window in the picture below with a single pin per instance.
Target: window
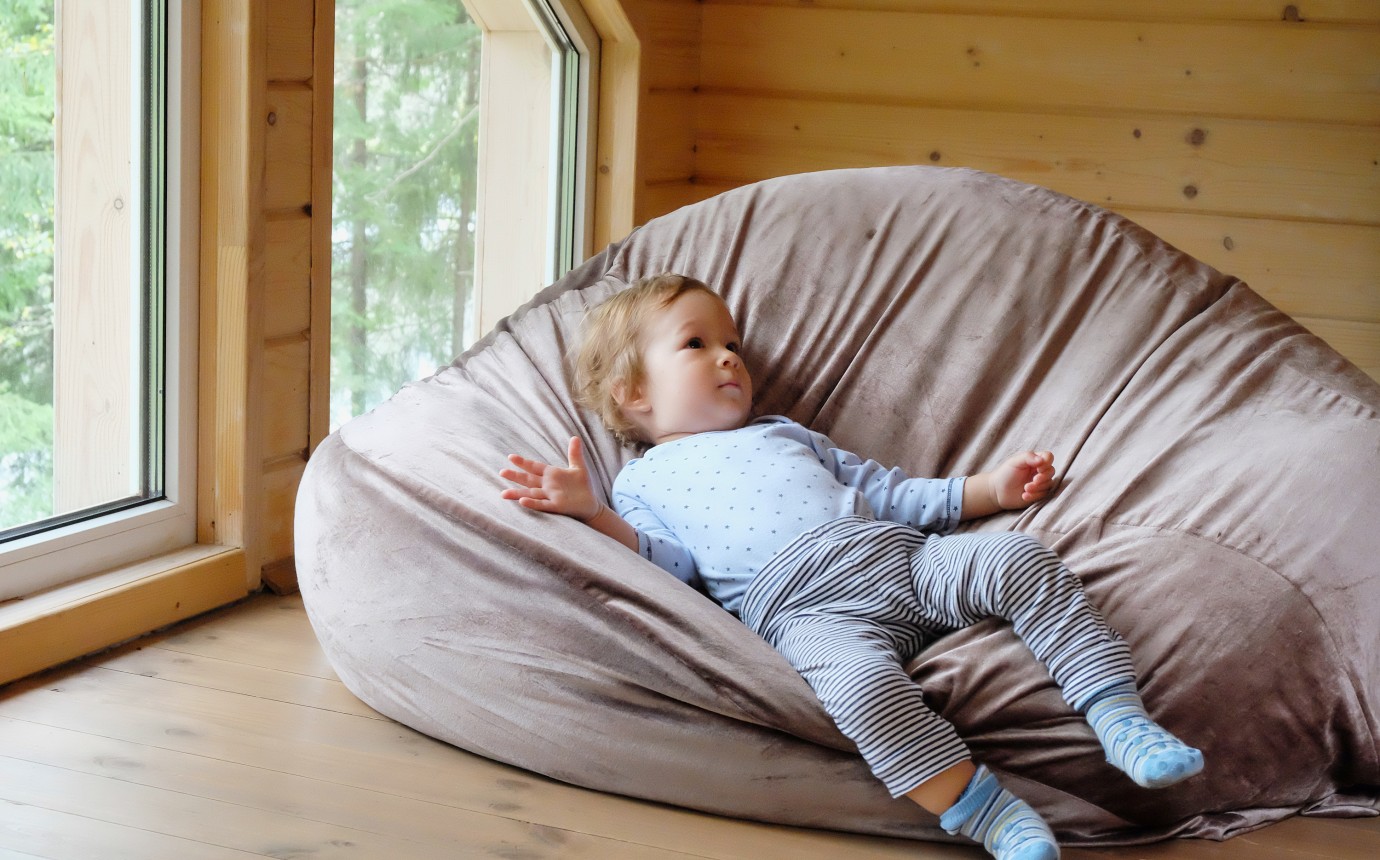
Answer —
(95, 401)
(460, 189)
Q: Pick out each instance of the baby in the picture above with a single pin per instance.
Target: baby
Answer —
(845, 567)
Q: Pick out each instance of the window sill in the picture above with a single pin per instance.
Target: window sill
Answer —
(70, 621)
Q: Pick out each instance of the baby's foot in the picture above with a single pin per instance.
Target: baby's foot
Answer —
(1136, 744)
(1005, 825)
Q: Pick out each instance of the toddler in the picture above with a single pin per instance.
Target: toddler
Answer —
(845, 567)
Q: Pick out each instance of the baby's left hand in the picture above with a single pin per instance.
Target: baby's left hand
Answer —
(1024, 479)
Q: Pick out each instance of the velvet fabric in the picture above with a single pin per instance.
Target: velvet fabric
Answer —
(1218, 498)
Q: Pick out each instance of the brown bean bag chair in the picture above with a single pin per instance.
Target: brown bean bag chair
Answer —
(1218, 498)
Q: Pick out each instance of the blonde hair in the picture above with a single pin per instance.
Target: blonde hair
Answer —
(609, 361)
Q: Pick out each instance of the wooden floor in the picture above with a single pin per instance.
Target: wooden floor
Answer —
(229, 736)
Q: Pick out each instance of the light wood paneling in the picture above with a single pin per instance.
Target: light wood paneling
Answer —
(1359, 342)
(1284, 261)
(280, 497)
(1245, 132)
(288, 167)
(1229, 167)
(287, 277)
(65, 623)
(289, 34)
(669, 76)
(671, 31)
(1219, 69)
(287, 364)
(231, 404)
(668, 136)
(296, 206)
(1259, 11)
(658, 198)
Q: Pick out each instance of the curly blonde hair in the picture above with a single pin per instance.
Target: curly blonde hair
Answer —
(609, 361)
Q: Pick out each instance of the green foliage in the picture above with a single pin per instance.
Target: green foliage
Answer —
(27, 461)
(406, 149)
(28, 89)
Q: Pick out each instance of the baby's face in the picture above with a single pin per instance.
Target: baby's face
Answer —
(695, 380)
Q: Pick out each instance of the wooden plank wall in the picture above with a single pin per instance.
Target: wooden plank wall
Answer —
(296, 280)
(1246, 132)
(669, 33)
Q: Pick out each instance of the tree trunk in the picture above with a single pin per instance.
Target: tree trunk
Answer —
(358, 339)
(464, 239)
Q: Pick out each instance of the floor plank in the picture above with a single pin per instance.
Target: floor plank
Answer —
(274, 805)
(230, 737)
(214, 673)
(388, 758)
(33, 831)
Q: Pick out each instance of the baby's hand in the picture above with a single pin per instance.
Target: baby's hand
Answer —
(1024, 479)
(553, 489)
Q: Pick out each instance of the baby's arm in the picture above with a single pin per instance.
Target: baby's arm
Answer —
(1022, 480)
(567, 491)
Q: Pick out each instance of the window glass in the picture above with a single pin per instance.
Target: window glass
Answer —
(404, 195)
(457, 184)
(81, 208)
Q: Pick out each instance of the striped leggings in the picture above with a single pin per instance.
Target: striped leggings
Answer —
(849, 602)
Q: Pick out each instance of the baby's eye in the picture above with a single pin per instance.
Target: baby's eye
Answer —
(734, 347)
(694, 343)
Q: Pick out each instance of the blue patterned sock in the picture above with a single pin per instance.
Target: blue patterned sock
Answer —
(1005, 825)
(1135, 743)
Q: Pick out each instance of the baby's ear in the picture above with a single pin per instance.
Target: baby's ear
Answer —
(630, 397)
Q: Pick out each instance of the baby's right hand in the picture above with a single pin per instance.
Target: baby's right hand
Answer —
(553, 489)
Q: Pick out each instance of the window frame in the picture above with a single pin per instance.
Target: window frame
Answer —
(512, 264)
(60, 555)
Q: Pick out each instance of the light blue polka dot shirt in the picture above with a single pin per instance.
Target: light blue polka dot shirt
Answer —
(713, 508)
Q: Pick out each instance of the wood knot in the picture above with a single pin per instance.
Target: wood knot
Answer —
(1291, 13)
(1197, 137)
(935, 156)
(1190, 191)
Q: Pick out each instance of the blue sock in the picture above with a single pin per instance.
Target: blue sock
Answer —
(1137, 744)
(1005, 825)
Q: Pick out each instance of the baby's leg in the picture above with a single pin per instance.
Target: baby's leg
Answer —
(963, 579)
(855, 670)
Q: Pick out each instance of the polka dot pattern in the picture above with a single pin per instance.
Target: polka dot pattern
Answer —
(713, 508)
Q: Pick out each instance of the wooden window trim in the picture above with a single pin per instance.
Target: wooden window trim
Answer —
(66, 622)
(510, 249)
(225, 564)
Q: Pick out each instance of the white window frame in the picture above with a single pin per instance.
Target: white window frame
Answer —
(513, 259)
(52, 558)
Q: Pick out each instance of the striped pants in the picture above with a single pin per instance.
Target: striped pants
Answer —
(850, 602)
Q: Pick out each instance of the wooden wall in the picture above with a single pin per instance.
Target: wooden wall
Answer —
(267, 82)
(296, 339)
(1246, 132)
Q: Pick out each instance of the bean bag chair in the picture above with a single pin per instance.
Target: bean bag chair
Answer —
(1218, 499)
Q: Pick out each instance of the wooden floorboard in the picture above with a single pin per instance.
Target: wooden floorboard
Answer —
(230, 736)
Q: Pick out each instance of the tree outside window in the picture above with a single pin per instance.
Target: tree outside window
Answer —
(27, 99)
(405, 187)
